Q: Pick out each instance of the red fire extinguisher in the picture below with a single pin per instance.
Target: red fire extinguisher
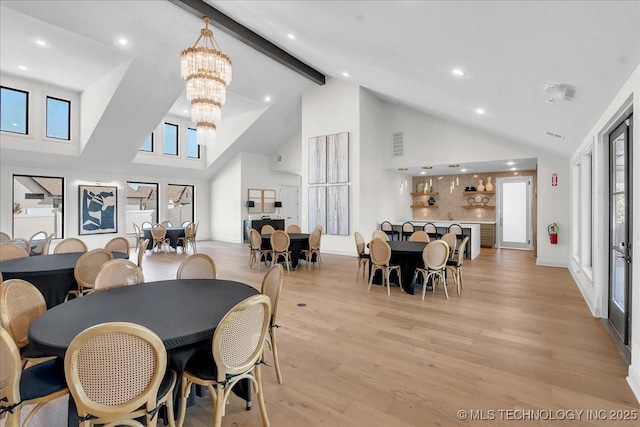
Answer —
(553, 233)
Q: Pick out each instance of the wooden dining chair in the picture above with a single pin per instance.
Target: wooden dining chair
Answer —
(314, 249)
(271, 287)
(280, 242)
(9, 251)
(257, 254)
(117, 273)
(146, 225)
(293, 228)
(363, 258)
(159, 235)
(4, 237)
(380, 253)
(21, 303)
(86, 270)
(118, 244)
(419, 236)
(36, 242)
(431, 229)
(434, 257)
(166, 224)
(455, 265)
(36, 385)
(189, 238)
(450, 238)
(139, 235)
(22, 243)
(457, 230)
(237, 350)
(197, 266)
(185, 223)
(132, 383)
(46, 245)
(142, 252)
(379, 234)
(70, 244)
(267, 229)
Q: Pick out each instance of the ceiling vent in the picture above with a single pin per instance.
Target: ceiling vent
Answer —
(398, 144)
(558, 92)
(555, 135)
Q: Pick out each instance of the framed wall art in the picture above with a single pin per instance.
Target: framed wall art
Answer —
(98, 209)
(338, 158)
(317, 207)
(318, 160)
(338, 210)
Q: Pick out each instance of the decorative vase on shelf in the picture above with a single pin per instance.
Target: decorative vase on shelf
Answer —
(420, 187)
(480, 186)
(489, 186)
(432, 201)
(426, 188)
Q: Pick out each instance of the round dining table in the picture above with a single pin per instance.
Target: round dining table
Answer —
(408, 255)
(173, 233)
(51, 274)
(184, 313)
(297, 242)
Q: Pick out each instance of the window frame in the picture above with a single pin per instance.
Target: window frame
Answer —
(152, 135)
(26, 110)
(177, 140)
(197, 145)
(46, 117)
(156, 215)
(61, 200)
(193, 199)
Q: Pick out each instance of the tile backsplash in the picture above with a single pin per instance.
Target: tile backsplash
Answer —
(449, 204)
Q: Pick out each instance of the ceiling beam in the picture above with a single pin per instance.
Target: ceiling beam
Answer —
(223, 22)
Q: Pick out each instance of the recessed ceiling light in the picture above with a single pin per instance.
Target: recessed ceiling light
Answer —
(457, 72)
(267, 99)
(345, 73)
(122, 41)
(463, 170)
(291, 36)
(423, 173)
(22, 67)
(514, 169)
(479, 111)
(511, 163)
(41, 43)
(185, 111)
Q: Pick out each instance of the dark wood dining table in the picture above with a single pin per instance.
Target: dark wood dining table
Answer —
(51, 274)
(184, 313)
(173, 233)
(297, 242)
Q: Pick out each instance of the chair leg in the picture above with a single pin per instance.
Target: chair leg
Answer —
(263, 408)
(373, 273)
(425, 280)
(386, 276)
(444, 283)
(274, 350)
(185, 391)
(219, 407)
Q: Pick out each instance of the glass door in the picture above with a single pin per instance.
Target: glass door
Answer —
(620, 229)
(514, 216)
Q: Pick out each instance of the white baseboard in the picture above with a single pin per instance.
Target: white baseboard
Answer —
(551, 264)
(634, 382)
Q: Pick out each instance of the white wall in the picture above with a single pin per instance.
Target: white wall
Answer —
(230, 191)
(326, 110)
(74, 178)
(435, 141)
(594, 286)
(288, 156)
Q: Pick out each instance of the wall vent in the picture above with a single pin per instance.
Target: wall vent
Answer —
(398, 144)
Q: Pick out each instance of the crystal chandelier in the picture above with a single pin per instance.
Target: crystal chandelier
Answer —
(207, 72)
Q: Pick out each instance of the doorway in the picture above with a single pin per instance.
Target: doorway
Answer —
(514, 213)
(620, 229)
(289, 209)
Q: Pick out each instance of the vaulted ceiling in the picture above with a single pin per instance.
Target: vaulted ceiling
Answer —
(402, 51)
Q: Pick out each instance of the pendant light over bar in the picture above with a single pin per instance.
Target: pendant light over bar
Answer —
(207, 71)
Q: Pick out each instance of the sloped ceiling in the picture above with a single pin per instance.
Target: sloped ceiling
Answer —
(402, 51)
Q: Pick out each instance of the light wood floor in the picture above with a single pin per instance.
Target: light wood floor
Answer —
(520, 337)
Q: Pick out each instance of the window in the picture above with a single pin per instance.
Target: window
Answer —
(148, 144)
(193, 149)
(14, 106)
(58, 118)
(142, 204)
(180, 203)
(37, 206)
(170, 139)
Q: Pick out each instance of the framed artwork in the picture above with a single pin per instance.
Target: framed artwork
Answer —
(256, 197)
(98, 209)
(338, 210)
(318, 160)
(338, 158)
(317, 207)
(268, 201)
